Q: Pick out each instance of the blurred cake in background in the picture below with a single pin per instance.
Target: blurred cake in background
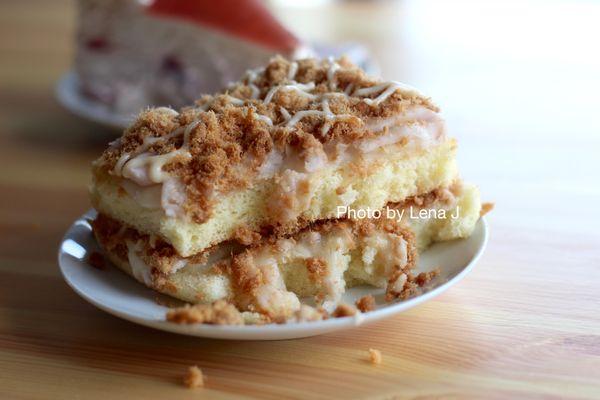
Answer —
(134, 53)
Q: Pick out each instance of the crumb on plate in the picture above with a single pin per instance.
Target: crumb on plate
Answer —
(366, 303)
(344, 310)
(218, 313)
(486, 208)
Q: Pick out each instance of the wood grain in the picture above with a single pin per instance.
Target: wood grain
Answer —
(519, 85)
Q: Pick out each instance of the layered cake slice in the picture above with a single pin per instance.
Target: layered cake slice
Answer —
(270, 278)
(282, 148)
(248, 202)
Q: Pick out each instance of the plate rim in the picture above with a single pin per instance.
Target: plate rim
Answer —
(254, 332)
(67, 93)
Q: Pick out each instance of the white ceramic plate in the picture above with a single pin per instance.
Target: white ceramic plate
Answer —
(116, 293)
(69, 95)
(68, 92)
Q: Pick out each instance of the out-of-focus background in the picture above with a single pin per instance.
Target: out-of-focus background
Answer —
(519, 85)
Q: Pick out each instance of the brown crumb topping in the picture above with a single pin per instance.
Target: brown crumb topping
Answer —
(425, 277)
(246, 236)
(193, 378)
(218, 313)
(404, 285)
(366, 303)
(317, 269)
(231, 133)
(375, 356)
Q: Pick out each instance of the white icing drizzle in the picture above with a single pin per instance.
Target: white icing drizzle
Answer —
(140, 270)
(285, 113)
(326, 113)
(264, 118)
(255, 91)
(384, 90)
(333, 67)
(168, 110)
(349, 89)
(292, 71)
(252, 74)
(235, 100)
(145, 168)
(146, 143)
(118, 168)
(301, 88)
(301, 114)
(254, 114)
(115, 143)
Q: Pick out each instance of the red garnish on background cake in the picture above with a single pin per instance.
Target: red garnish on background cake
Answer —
(249, 20)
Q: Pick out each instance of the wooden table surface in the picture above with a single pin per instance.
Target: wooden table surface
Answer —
(519, 85)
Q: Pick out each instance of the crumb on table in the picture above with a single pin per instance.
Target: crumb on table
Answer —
(193, 377)
(375, 356)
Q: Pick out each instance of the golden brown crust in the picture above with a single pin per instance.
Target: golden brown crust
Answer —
(233, 132)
